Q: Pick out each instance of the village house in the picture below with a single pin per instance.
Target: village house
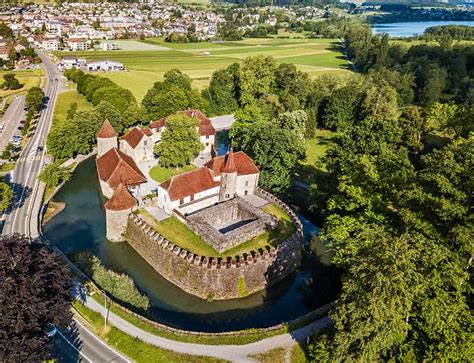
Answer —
(77, 44)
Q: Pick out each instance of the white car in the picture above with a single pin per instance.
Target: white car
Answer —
(2, 126)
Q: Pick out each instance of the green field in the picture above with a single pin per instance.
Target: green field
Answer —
(63, 102)
(28, 78)
(199, 60)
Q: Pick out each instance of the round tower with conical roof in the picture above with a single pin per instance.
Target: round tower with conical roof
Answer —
(106, 138)
(228, 178)
(117, 210)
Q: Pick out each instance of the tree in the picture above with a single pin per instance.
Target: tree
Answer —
(10, 82)
(180, 142)
(341, 108)
(245, 119)
(6, 194)
(295, 121)
(34, 294)
(34, 99)
(221, 93)
(54, 174)
(257, 77)
(275, 150)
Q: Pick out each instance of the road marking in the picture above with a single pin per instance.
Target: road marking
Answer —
(103, 343)
(72, 345)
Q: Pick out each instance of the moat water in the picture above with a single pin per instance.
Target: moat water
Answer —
(81, 227)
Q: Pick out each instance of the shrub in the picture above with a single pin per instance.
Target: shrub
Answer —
(120, 286)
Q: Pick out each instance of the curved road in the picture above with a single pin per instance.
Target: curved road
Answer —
(22, 216)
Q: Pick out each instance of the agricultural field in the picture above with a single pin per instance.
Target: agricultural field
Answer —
(28, 78)
(199, 60)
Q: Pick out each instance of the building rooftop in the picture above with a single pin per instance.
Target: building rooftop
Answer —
(121, 200)
(242, 163)
(115, 167)
(106, 131)
(190, 183)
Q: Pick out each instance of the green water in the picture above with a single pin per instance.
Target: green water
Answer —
(81, 226)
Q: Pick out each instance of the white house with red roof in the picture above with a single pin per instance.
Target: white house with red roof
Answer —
(138, 144)
(221, 179)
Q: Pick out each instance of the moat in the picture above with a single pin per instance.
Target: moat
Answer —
(81, 226)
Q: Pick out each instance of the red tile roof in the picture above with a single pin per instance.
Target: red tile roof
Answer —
(106, 131)
(121, 200)
(134, 137)
(147, 131)
(203, 123)
(243, 163)
(190, 183)
(229, 164)
(115, 167)
(157, 124)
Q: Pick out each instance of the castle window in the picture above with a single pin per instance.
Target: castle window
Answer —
(227, 195)
(246, 192)
(207, 144)
(181, 201)
(207, 136)
(247, 183)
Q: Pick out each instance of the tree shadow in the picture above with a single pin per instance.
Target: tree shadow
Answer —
(20, 195)
(67, 344)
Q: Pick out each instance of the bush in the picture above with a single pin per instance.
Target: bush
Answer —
(120, 286)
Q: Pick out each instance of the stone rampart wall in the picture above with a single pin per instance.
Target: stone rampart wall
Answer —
(217, 278)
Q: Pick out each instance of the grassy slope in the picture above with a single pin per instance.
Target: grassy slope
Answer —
(133, 347)
(160, 174)
(28, 78)
(276, 355)
(178, 233)
(315, 56)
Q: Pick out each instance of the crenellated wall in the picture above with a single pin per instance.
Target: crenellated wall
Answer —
(218, 278)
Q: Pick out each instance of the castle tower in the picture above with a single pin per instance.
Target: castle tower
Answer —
(228, 178)
(117, 210)
(106, 138)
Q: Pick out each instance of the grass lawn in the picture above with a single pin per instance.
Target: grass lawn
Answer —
(200, 60)
(63, 102)
(316, 148)
(179, 234)
(276, 355)
(28, 78)
(133, 347)
(161, 174)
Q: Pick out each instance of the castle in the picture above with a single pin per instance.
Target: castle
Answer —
(220, 179)
(220, 201)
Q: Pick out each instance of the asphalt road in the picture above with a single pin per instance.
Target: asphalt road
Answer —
(77, 344)
(11, 120)
(24, 178)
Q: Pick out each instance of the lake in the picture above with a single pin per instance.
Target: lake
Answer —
(408, 29)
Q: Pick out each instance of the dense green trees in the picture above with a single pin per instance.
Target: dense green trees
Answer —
(33, 101)
(399, 222)
(34, 294)
(180, 142)
(173, 94)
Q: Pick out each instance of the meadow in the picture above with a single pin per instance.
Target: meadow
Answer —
(28, 78)
(199, 60)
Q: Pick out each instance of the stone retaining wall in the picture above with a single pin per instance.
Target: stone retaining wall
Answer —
(218, 278)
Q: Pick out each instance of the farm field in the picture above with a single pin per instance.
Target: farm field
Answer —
(199, 60)
(28, 78)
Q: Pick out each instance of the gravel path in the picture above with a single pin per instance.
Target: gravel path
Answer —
(234, 353)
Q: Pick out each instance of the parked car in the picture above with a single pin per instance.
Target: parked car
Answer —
(20, 127)
(2, 126)
(39, 149)
(22, 122)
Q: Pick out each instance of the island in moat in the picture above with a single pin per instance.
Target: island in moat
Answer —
(254, 240)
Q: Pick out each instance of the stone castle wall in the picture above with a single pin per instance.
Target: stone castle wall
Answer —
(218, 278)
(207, 221)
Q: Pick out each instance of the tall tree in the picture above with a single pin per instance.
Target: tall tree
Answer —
(257, 78)
(180, 142)
(34, 294)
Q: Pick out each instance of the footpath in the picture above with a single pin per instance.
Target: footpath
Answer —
(234, 353)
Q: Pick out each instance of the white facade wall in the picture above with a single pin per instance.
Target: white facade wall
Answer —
(246, 183)
(194, 207)
(211, 197)
(207, 141)
(105, 144)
